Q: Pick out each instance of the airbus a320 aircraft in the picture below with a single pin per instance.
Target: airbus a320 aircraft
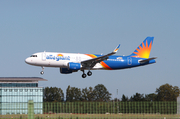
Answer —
(72, 62)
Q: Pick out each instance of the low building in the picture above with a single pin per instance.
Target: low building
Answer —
(15, 92)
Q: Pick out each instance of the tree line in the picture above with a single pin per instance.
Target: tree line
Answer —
(165, 92)
(100, 93)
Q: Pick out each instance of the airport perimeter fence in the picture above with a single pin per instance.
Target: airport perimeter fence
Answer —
(101, 110)
(110, 107)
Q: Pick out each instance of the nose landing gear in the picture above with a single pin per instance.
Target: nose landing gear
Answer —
(42, 72)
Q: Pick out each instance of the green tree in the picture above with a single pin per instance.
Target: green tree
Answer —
(73, 94)
(53, 94)
(87, 94)
(137, 97)
(68, 93)
(124, 98)
(47, 94)
(101, 93)
(151, 97)
(167, 92)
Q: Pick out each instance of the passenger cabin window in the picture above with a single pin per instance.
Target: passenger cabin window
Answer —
(33, 56)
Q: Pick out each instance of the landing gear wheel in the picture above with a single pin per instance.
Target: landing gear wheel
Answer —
(89, 73)
(41, 72)
(84, 75)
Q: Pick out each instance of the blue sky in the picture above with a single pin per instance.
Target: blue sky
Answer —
(27, 27)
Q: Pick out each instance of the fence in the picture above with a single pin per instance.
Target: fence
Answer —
(104, 110)
(110, 107)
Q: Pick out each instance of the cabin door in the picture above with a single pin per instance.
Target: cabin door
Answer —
(129, 60)
(44, 56)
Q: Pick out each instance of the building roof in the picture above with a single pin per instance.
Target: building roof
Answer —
(21, 79)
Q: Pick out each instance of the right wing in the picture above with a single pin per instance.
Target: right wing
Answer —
(89, 64)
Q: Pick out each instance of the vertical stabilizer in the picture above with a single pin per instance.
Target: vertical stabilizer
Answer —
(144, 49)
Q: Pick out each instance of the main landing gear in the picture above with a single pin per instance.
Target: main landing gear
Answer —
(42, 72)
(84, 75)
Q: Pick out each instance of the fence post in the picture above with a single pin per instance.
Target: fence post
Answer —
(30, 109)
(178, 105)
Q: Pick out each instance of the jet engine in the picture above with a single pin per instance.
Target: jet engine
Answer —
(72, 67)
(65, 71)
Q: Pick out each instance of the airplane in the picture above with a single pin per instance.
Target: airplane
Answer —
(72, 62)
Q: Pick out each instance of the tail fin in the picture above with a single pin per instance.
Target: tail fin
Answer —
(144, 49)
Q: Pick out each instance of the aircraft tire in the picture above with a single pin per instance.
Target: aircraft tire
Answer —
(41, 72)
(84, 75)
(89, 73)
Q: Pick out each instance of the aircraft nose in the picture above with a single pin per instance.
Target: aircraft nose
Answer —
(27, 60)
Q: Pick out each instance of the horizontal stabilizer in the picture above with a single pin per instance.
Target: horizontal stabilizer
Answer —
(147, 60)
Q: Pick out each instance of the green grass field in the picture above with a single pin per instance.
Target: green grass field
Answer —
(94, 116)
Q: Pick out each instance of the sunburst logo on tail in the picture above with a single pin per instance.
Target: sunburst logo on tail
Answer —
(143, 51)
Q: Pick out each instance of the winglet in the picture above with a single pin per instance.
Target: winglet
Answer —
(116, 49)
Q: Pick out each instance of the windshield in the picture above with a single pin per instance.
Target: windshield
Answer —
(33, 56)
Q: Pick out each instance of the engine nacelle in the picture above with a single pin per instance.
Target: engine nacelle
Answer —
(65, 71)
(74, 66)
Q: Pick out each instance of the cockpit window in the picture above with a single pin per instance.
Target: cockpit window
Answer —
(33, 56)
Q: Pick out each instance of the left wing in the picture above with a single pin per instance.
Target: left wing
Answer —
(92, 62)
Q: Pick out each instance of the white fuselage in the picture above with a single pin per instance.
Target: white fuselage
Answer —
(54, 59)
